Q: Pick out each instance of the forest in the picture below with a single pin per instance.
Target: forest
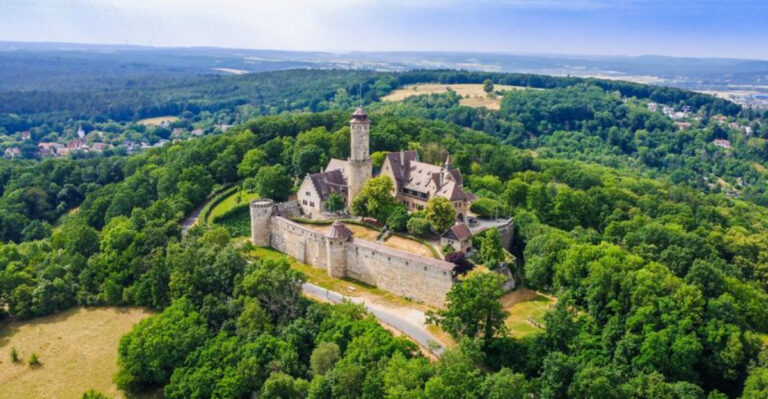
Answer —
(661, 278)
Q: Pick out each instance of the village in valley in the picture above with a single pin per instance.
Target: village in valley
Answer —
(112, 139)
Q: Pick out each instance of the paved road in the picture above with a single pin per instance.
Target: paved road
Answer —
(412, 324)
(191, 220)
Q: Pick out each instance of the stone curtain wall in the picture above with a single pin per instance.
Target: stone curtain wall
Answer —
(302, 243)
(507, 232)
(417, 277)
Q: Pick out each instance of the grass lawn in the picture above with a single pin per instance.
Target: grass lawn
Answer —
(524, 305)
(346, 287)
(393, 241)
(229, 203)
(77, 349)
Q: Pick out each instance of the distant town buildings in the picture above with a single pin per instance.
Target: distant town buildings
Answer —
(722, 143)
(12, 152)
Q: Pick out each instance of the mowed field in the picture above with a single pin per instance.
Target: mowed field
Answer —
(157, 121)
(77, 351)
(525, 308)
(230, 202)
(472, 95)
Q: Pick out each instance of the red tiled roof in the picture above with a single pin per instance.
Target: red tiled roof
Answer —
(458, 232)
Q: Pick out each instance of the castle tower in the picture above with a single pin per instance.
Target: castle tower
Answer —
(261, 213)
(359, 166)
(336, 250)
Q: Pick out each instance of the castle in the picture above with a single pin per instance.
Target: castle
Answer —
(415, 182)
(421, 278)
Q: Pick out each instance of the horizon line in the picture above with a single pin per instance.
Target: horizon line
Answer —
(340, 52)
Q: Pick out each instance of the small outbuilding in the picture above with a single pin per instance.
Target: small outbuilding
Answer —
(459, 237)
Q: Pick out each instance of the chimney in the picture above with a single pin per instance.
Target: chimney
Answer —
(402, 157)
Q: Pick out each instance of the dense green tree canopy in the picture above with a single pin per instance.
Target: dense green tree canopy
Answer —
(652, 239)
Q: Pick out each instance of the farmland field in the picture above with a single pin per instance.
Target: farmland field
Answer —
(472, 94)
(77, 349)
(157, 121)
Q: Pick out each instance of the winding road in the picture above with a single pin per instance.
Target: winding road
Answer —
(412, 323)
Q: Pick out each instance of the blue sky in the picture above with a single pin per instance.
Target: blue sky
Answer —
(710, 28)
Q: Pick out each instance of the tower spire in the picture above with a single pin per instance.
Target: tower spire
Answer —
(360, 95)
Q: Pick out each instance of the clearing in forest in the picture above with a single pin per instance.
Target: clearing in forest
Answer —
(526, 311)
(472, 95)
(157, 121)
(77, 350)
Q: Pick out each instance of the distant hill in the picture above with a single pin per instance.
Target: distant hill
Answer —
(28, 66)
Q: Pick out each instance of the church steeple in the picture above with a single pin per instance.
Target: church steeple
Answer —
(448, 162)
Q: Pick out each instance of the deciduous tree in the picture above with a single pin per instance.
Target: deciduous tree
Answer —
(473, 309)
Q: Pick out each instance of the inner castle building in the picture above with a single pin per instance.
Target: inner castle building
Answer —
(415, 182)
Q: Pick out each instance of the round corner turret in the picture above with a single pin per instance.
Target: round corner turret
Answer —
(261, 214)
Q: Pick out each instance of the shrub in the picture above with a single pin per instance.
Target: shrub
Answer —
(448, 249)
(462, 264)
(419, 227)
(93, 394)
(398, 219)
(334, 203)
(14, 355)
(237, 220)
(33, 360)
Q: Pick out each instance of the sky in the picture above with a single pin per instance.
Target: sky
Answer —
(698, 28)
